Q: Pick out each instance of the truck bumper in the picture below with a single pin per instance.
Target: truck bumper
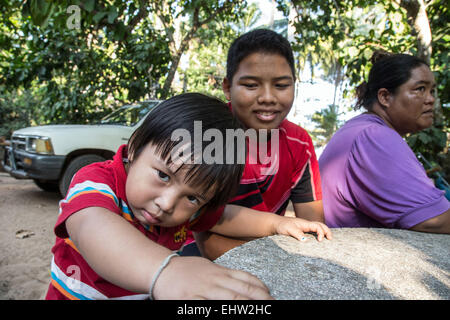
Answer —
(25, 165)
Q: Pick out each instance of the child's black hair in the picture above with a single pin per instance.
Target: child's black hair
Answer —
(180, 112)
(258, 41)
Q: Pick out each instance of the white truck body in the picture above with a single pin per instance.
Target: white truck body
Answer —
(51, 154)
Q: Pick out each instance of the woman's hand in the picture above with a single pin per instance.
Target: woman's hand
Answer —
(295, 227)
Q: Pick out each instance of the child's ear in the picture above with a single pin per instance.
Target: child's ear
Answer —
(385, 97)
(226, 87)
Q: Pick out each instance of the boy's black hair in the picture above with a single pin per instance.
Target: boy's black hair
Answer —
(261, 41)
(389, 71)
(180, 112)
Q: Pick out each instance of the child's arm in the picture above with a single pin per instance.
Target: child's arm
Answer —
(312, 211)
(124, 256)
(237, 221)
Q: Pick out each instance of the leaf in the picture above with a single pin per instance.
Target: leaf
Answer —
(353, 52)
(99, 16)
(89, 5)
(41, 11)
(112, 14)
(412, 140)
(424, 137)
(367, 53)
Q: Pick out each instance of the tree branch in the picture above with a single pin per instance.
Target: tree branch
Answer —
(216, 13)
(139, 16)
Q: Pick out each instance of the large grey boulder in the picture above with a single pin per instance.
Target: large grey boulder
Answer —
(358, 263)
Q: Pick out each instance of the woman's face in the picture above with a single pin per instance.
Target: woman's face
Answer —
(410, 109)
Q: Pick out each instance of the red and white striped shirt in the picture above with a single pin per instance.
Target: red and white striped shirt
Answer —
(103, 185)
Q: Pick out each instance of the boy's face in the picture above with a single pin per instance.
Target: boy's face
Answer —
(159, 196)
(261, 91)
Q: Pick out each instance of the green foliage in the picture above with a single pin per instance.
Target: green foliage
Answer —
(423, 141)
(76, 74)
(207, 59)
(16, 110)
(80, 58)
(439, 16)
(332, 33)
(327, 123)
(187, 21)
(206, 69)
(57, 71)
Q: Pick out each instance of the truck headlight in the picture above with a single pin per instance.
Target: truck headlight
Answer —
(40, 145)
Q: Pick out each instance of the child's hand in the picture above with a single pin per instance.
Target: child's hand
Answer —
(198, 278)
(295, 227)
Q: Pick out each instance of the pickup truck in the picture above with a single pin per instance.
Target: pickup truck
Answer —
(52, 154)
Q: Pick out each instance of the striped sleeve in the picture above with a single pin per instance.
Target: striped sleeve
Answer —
(90, 187)
(306, 184)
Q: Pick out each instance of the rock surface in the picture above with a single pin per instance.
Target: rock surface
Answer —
(358, 263)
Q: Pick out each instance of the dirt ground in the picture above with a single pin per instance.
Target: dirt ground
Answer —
(25, 262)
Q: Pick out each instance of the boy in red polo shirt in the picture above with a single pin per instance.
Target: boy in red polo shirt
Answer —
(122, 220)
(260, 87)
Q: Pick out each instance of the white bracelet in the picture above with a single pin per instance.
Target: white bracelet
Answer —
(161, 268)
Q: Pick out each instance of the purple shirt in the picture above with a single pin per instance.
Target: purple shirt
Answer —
(371, 178)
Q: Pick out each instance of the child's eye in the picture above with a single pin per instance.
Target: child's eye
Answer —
(282, 85)
(250, 85)
(193, 200)
(164, 177)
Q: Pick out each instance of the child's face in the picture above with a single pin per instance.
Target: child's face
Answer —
(261, 91)
(157, 195)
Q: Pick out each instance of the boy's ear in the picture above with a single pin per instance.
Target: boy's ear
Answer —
(226, 86)
(384, 97)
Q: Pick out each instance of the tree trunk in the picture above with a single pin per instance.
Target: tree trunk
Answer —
(184, 45)
(171, 75)
(418, 20)
(337, 80)
(176, 57)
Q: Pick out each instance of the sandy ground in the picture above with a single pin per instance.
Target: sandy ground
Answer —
(25, 263)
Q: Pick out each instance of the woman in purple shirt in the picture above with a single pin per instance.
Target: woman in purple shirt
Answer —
(370, 176)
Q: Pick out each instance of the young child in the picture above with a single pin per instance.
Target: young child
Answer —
(122, 219)
(260, 87)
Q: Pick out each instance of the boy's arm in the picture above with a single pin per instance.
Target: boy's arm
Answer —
(240, 224)
(122, 255)
(213, 245)
(312, 211)
(243, 222)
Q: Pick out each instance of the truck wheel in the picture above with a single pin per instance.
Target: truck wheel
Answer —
(50, 186)
(75, 165)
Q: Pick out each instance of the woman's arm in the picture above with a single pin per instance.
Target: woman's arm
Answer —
(438, 224)
(122, 255)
